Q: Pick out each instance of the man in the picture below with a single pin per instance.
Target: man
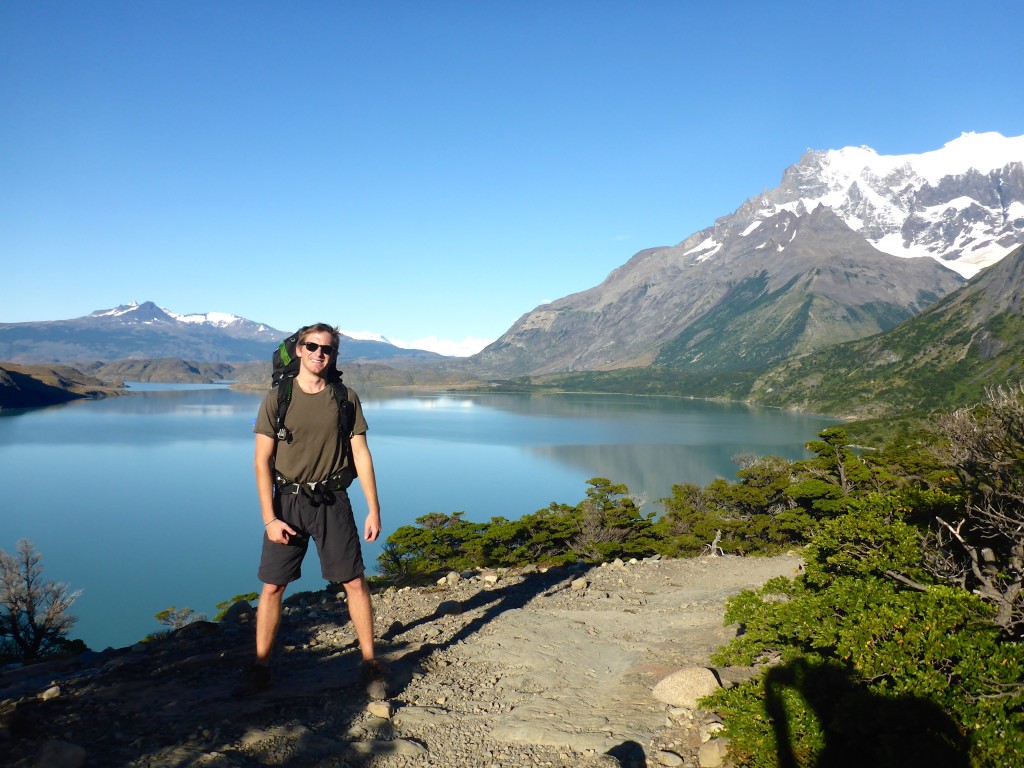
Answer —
(301, 477)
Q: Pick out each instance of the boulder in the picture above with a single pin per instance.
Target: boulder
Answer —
(685, 687)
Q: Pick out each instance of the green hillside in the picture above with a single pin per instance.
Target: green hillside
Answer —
(944, 357)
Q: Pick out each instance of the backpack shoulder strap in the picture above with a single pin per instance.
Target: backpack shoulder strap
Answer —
(346, 410)
(284, 398)
(346, 423)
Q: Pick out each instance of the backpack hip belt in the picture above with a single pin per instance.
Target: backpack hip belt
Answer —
(338, 481)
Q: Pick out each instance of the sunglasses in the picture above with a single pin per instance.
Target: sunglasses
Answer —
(312, 347)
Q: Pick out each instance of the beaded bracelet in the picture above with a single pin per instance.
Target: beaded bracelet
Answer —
(268, 523)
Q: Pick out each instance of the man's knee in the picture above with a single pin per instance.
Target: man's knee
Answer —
(356, 586)
(272, 592)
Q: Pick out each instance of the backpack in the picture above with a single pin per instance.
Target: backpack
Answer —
(285, 369)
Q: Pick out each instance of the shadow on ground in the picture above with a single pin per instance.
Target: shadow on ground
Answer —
(169, 702)
(859, 727)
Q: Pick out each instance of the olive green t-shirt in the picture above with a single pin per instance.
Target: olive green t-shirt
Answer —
(316, 449)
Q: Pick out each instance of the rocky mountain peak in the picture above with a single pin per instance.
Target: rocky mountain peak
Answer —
(962, 205)
(146, 312)
(833, 253)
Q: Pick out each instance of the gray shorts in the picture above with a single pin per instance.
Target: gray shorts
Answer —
(331, 525)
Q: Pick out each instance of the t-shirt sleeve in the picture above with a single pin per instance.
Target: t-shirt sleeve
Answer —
(359, 427)
(266, 416)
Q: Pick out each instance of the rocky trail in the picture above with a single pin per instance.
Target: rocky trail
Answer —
(499, 669)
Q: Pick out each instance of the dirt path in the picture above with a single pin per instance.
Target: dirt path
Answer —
(500, 670)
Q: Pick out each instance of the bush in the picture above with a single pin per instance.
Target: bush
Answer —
(867, 612)
(607, 524)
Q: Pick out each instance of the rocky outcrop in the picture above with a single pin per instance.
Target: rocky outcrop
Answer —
(34, 386)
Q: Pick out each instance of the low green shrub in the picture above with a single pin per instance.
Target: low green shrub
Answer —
(866, 630)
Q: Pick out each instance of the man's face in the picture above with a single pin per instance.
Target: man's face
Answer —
(315, 361)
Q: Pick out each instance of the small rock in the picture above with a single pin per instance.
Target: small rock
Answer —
(578, 585)
(382, 709)
(453, 577)
(713, 754)
(50, 693)
(707, 733)
(666, 757)
(685, 687)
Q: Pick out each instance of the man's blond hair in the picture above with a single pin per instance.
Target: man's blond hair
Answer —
(309, 330)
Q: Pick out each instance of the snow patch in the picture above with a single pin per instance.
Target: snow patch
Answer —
(706, 249)
(958, 204)
(709, 254)
(708, 243)
(118, 311)
(1015, 211)
(753, 226)
(219, 319)
(968, 265)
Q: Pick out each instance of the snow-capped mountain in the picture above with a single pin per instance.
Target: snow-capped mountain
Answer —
(147, 331)
(802, 266)
(147, 313)
(962, 204)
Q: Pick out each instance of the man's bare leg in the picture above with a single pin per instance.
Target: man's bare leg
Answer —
(360, 610)
(268, 620)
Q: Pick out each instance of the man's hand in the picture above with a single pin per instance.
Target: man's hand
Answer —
(279, 532)
(372, 528)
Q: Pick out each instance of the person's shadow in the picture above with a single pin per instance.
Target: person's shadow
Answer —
(861, 728)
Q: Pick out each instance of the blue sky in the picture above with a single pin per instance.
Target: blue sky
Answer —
(437, 169)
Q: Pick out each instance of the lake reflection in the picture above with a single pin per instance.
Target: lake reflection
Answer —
(149, 501)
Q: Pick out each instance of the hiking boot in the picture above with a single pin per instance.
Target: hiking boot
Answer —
(256, 678)
(373, 676)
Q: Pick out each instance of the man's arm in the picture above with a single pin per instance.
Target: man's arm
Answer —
(363, 462)
(278, 530)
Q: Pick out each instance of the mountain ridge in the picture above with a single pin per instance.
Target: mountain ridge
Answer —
(929, 202)
(143, 331)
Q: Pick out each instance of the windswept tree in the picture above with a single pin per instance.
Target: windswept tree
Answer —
(609, 523)
(34, 618)
(983, 550)
(176, 618)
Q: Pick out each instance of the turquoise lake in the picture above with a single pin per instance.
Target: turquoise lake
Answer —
(148, 501)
